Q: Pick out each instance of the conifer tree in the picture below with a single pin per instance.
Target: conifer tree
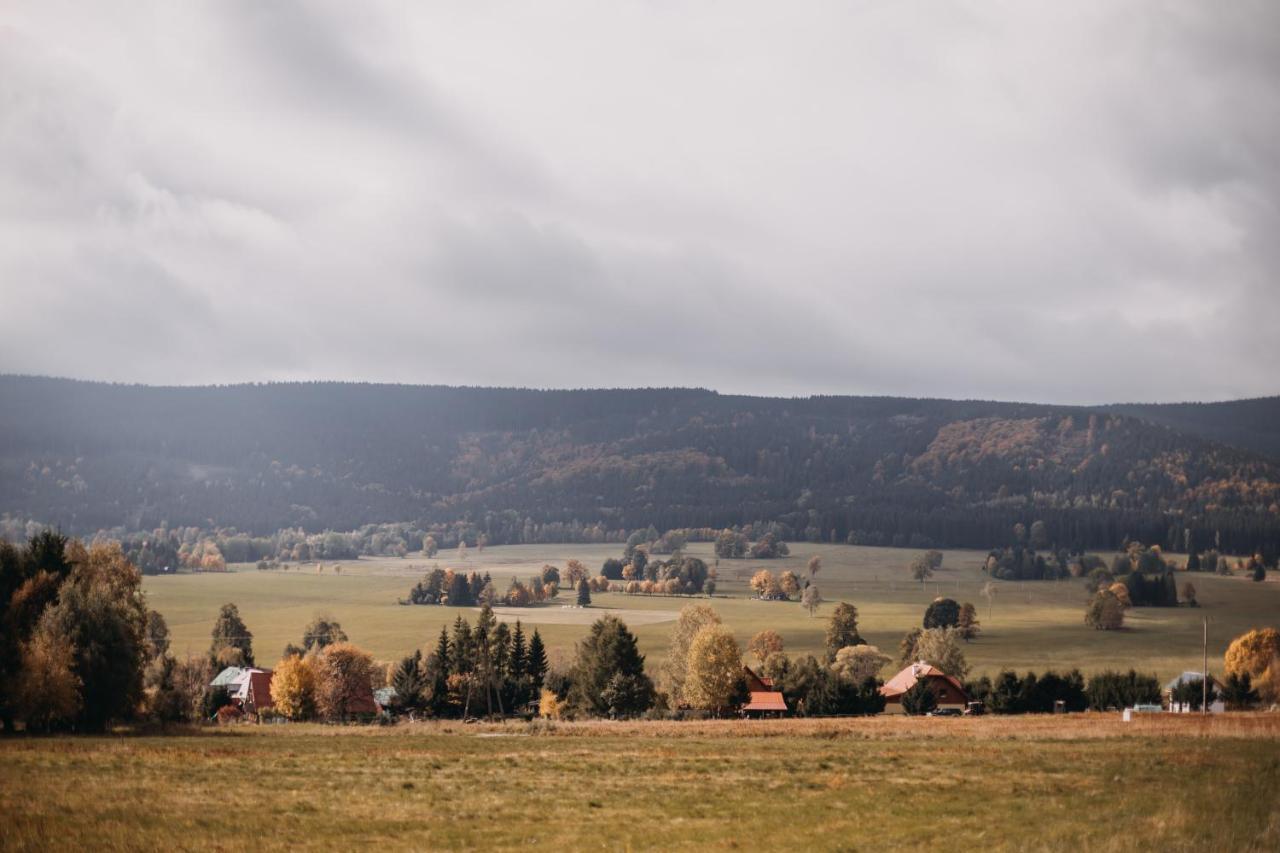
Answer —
(461, 659)
(584, 594)
(608, 674)
(537, 666)
(410, 682)
(438, 674)
(519, 653)
(439, 661)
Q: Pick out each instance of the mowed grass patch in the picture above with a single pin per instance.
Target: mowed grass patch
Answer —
(1086, 782)
(1025, 625)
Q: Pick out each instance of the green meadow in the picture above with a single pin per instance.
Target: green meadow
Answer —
(1025, 624)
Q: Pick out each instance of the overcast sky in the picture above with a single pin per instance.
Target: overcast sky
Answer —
(1069, 202)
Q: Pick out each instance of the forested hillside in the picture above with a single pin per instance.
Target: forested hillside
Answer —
(877, 470)
(1246, 424)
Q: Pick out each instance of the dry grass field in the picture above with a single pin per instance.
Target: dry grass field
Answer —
(1083, 782)
(1027, 625)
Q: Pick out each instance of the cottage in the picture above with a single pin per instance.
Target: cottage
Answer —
(763, 699)
(949, 691)
(1215, 707)
(251, 690)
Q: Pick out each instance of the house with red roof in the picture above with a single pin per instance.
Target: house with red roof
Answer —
(948, 689)
(764, 700)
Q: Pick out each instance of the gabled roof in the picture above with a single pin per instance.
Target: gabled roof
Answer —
(253, 684)
(905, 680)
(757, 682)
(260, 689)
(766, 700)
(227, 677)
(1192, 676)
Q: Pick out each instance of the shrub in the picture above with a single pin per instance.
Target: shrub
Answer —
(1105, 612)
(919, 699)
(942, 613)
(1109, 690)
(1238, 693)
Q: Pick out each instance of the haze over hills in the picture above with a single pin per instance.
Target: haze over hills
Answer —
(879, 470)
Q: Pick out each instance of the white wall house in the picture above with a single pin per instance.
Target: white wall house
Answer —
(1215, 707)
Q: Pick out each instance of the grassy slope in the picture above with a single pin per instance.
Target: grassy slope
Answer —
(1088, 782)
(1034, 624)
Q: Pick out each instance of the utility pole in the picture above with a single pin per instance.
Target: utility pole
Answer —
(1204, 682)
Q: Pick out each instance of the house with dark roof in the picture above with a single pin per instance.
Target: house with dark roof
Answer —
(763, 700)
(948, 689)
(251, 690)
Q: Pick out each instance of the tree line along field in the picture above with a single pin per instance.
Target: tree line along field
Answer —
(1086, 781)
(1026, 625)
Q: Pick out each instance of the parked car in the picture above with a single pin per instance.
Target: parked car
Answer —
(975, 709)
(945, 712)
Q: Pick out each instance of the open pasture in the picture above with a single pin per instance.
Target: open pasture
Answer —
(1025, 625)
(1079, 782)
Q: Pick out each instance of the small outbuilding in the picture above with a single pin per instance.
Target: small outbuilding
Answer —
(948, 689)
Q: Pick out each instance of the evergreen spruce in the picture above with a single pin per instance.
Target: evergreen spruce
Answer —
(608, 674)
(537, 664)
(519, 653)
(462, 658)
(584, 594)
(410, 682)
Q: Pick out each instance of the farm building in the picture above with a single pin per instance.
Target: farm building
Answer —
(764, 700)
(251, 690)
(1215, 707)
(949, 691)
(384, 698)
(227, 677)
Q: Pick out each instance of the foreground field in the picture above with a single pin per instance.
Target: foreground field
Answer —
(1026, 625)
(1082, 782)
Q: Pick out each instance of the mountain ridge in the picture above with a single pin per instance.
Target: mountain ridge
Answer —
(259, 456)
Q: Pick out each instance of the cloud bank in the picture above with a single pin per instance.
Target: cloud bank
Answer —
(1059, 202)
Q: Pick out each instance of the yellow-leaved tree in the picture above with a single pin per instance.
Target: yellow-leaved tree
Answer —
(293, 687)
(1257, 654)
(693, 618)
(766, 585)
(765, 643)
(47, 690)
(714, 678)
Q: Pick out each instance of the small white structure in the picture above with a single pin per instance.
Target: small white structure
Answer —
(1215, 707)
(1136, 710)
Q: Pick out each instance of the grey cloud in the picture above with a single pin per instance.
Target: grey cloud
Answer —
(1071, 204)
